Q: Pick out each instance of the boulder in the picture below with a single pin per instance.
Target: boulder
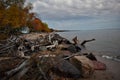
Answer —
(72, 49)
(66, 69)
(83, 64)
(99, 65)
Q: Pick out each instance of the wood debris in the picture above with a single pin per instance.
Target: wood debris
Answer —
(41, 56)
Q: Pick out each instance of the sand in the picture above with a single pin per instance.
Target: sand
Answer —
(111, 73)
(113, 67)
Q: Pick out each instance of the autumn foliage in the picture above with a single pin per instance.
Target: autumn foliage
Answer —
(14, 15)
(40, 26)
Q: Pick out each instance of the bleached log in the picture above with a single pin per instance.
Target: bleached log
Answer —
(7, 48)
(24, 67)
(55, 43)
(19, 71)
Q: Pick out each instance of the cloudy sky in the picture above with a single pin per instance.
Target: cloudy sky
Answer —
(78, 14)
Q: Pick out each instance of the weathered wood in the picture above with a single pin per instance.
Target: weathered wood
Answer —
(85, 41)
(41, 71)
(26, 46)
(16, 70)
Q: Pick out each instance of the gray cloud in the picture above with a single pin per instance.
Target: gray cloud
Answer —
(78, 14)
(75, 8)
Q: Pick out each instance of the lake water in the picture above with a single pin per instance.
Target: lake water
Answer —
(107, 41)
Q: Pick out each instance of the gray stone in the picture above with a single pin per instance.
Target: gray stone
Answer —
(66, 69)
(72, 49)
(83, 64)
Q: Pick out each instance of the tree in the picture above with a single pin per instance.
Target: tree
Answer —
(8, 3)
(14, 15)
(46, 28)
(40, 26)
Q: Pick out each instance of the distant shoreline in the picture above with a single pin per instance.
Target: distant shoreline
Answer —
(66, 30)
(86, 30)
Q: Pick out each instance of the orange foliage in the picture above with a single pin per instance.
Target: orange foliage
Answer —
(39, 26)
(37, 23)
(14, 15)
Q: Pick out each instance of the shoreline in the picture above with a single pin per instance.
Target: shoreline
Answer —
(112, 67)
(111, 73)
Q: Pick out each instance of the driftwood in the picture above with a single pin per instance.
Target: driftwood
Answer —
(28, 46)
(20, 70)
(8, 44)
(24, 67)
(29, 49)
(85, 41)
(76, 41)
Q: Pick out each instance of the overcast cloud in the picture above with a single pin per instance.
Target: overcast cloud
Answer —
(79, 12)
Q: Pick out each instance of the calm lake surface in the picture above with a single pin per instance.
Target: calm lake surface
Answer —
(107, 41)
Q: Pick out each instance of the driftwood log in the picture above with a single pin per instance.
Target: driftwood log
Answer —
(40, 53)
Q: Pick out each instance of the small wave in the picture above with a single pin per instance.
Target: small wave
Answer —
(115, 58)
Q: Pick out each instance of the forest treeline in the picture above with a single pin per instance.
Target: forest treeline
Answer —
(15, 14)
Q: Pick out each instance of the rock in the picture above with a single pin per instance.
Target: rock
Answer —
(99, 65)
(83, 64)
(66, 69)
(72, 49)
(91, 57)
